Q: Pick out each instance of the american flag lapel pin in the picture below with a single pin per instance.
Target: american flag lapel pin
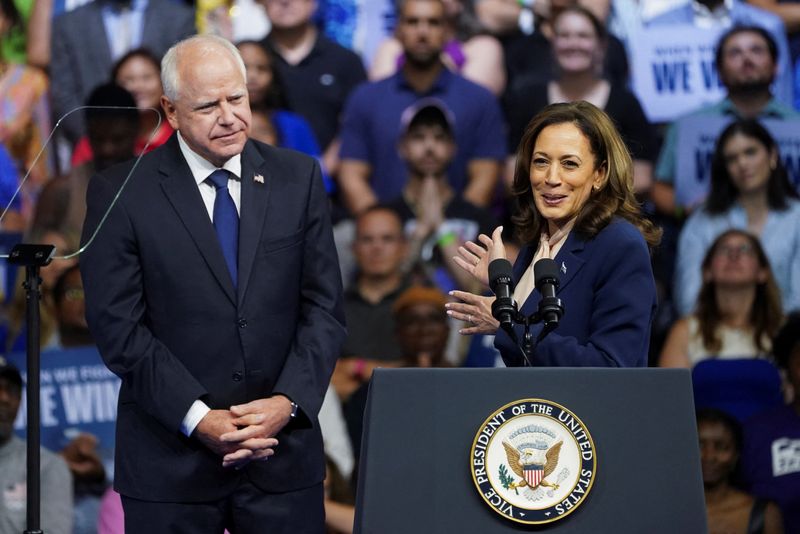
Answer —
(258, 179)
(563, 268)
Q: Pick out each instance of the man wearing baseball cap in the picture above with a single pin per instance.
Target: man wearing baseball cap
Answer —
(437, 218)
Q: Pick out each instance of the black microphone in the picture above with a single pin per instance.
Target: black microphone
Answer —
(545, 274)
(501, 280)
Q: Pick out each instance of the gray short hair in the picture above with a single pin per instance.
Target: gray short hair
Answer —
(206, 43)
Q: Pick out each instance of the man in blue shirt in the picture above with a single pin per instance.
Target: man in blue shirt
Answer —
(371, 169)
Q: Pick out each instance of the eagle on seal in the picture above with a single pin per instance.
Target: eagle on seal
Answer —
(523, 463)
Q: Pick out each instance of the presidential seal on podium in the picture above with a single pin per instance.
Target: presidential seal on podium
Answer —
(533, 461)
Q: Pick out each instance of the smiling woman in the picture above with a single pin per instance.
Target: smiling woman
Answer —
(575, 204)
(563, 174)
(750, 190)
(738, 308)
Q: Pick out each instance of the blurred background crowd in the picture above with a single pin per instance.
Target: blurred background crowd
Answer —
(415, 109)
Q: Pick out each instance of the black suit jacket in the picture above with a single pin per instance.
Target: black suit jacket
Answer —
(167, 320)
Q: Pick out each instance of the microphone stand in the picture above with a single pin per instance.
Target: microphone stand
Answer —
(32, 257)
(550, 310)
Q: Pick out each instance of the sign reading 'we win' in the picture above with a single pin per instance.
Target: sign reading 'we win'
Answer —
(78, 395)
(673, 71)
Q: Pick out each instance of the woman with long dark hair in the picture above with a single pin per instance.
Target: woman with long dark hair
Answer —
(750, 190)
(139, 73)
(575, 205)
(272, 122)
(738, 310)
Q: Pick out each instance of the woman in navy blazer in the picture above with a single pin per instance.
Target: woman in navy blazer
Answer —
(575, 204)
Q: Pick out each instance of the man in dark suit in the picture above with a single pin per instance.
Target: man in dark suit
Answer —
(223, 343)
(87, 41)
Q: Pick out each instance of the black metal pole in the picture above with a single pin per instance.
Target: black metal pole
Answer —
(33, 297)
(32, 257)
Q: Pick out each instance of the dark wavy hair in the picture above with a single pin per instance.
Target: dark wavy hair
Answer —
(276, 93)
(112, 102)
(723, 193)
(766, 314)
(144, 53)
(614, 198)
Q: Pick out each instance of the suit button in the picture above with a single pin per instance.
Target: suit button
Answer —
(242, 323)
(237, 376)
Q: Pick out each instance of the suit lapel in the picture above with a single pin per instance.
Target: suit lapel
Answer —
(256, 188)
(181, 190)
(569, 259)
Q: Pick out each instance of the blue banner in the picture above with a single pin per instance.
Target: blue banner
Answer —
(672, 70)
(78, 395)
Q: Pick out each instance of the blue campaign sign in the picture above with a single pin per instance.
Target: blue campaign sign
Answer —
(697, 136)
(78, 395)
(672, 70)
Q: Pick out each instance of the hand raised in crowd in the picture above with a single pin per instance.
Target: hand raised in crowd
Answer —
(257, 424)
(83, 460)
(475, 259)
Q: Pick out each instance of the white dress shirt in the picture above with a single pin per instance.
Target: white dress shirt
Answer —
(201, 169)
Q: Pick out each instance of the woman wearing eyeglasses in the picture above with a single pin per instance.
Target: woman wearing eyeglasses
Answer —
(738, 310)
(750, 190)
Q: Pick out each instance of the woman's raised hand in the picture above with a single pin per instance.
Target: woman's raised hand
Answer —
(475, 259)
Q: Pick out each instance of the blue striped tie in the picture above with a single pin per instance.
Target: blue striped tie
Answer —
(226, 221)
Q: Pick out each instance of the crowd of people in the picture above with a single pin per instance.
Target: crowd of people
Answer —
(448, 133)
